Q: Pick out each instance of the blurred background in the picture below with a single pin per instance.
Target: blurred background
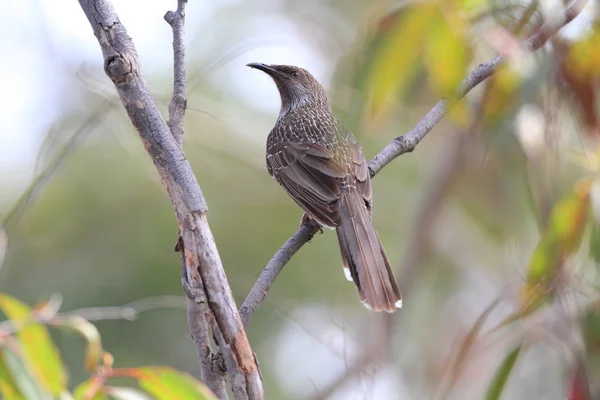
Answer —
(492, 212)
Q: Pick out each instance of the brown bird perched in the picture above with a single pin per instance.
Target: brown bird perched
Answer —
(322, 167)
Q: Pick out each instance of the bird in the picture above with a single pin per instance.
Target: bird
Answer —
(321, 166)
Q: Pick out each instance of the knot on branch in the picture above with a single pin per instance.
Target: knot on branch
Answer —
(218, 363)
(172, 16)
(118, 69)
(407, 145)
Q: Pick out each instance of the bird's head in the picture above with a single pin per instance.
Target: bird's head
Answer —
(297, 87)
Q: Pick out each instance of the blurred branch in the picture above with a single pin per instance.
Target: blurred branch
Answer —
(373, 354)
(404, 144)
(526, 17)
(131, 311)
(202, 260)
(11, 219)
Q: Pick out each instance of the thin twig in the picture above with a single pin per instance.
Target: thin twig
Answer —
(179, 101)
(131, 311)
(374, 353)
(405, 144)
(205, 268)
(198, 313)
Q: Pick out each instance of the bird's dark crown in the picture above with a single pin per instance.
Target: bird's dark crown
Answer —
(297, 87)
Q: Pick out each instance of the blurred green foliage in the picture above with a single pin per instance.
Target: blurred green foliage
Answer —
(31, 366)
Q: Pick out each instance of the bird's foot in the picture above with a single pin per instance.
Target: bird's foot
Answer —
(308, 220)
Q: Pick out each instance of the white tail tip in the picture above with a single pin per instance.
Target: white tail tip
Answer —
(348, 275)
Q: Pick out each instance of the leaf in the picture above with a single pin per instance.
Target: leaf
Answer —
(500, 94)
(92, 389)
(16, 382)
(8, 385)
(561, 239)
(447, 56)
(500, 378)
(169, 384)
(578, 67)
(94, 352)
(583, 57)
(393, 63)
(39, 352)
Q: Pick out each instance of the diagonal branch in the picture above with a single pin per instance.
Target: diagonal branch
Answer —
(400, 145)
(204, 266)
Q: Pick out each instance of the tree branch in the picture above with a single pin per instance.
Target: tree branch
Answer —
(204, 266)
(274, 267)
(179, 102)
(400, 145)
(199, 316)
(131, 311)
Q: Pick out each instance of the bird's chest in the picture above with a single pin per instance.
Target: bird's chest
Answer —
(310, 127)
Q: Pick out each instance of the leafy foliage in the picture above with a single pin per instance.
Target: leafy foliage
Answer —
(31, 368)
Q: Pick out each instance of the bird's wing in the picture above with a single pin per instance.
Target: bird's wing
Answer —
(311, 175)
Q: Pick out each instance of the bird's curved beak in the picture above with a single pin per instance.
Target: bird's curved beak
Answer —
(263, 67)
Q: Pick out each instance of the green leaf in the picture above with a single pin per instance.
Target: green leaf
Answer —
(561, 239)
(447, 56)
(8, 385)
(501, 93)
(447, 53)
(500, 378)
(16, 381)
(393, 64)
(169, 384)
(39, 352)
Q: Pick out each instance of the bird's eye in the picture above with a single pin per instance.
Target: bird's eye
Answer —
(295, 74)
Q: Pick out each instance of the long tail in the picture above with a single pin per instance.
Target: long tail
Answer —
(364, 257)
